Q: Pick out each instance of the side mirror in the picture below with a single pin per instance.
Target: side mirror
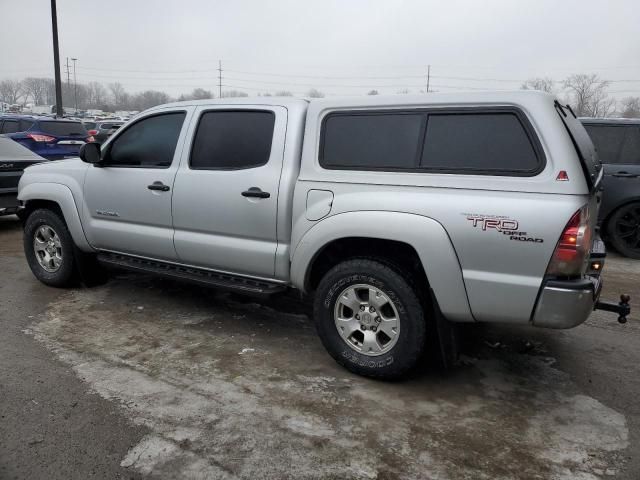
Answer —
(90, 153)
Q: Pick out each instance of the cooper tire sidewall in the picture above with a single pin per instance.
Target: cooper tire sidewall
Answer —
(338, 347)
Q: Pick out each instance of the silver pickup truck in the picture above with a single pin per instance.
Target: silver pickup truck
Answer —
(398, 215)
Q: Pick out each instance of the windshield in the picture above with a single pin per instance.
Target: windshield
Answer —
(62, 129)
(582, 142)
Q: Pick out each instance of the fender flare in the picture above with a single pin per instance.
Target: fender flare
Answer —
(427, 236)
(61, 195)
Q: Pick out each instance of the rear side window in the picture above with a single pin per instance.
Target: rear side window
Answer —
(150, 143)
(25, 125)
(232, 140)
(377, 141)
(616, 143)
(484, 142)
(90, 125)
(10, 126)
(462, 141)
(63, 129)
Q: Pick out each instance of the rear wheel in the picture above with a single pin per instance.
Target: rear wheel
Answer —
(370, 319)
(624, 230)
(49, 248)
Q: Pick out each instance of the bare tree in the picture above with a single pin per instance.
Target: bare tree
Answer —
(545, 84)
(11, 91)
(36, 88)
(197, 94)
(96, 95)
(372, 92)
(314, 93)
(147, 99)
(120, 96)
(233, 93)
(283, 93)
(630, 107)
(588, 95)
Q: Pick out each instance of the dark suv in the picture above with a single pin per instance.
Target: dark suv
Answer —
(618, 144)
(51, 138)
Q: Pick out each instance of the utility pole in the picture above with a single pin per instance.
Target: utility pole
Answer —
(75, 84)
(219, 78)
(428, 76)
(56, 59)
(68, 75)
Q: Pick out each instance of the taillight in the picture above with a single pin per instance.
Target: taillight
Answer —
(572, 251)
(92, 132)
(90, 139)
(40, 138)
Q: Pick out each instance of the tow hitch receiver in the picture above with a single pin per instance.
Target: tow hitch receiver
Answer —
(622, 308)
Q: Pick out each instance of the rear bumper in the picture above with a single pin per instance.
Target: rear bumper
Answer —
(568, 303)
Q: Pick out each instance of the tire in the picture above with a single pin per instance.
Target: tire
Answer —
(623, 230)
(370, 352)
(39, 226)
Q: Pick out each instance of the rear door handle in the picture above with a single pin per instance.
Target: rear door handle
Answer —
(158, 186)
(626, 175)
(255, 192)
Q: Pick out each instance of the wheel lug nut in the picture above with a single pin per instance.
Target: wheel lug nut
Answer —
(357, 317)
(371, 309)
(362, 308)
(374, 328)
(363, 328)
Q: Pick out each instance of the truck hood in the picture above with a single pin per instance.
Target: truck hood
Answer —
(58, 165)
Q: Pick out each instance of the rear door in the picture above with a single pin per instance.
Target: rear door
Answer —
(226, 191)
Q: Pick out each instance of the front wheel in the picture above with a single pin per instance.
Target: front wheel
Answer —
(370, 319)
(48, 247)
(624, 230)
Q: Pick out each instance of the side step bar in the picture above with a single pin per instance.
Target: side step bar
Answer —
(191, 274)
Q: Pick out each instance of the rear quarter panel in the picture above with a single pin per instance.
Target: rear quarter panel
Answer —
(502, 275)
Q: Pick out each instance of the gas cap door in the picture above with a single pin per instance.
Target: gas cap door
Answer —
(319, 204)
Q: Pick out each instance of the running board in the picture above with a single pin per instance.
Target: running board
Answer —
(191, 274)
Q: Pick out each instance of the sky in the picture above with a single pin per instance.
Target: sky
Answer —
(338, 47)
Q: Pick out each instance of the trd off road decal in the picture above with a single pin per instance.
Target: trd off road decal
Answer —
(501, 224)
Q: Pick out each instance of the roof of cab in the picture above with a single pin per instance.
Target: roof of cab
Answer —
(476, 97)
(284, 101)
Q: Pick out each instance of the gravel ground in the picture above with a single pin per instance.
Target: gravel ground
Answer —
(148, 377)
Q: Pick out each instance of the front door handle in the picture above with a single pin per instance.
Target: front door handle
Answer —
(158, 186)
(626, 175)
(255, 192)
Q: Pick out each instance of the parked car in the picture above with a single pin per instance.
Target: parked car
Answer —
(14, 158)
(617, 141)
(104, 129)
(51, 138)
(398, 215)
(89, 125)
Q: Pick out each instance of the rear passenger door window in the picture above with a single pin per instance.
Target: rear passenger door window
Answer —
(148, 143)
(232, 140)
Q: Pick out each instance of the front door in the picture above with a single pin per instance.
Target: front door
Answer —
(225, 199)
(128, 196)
